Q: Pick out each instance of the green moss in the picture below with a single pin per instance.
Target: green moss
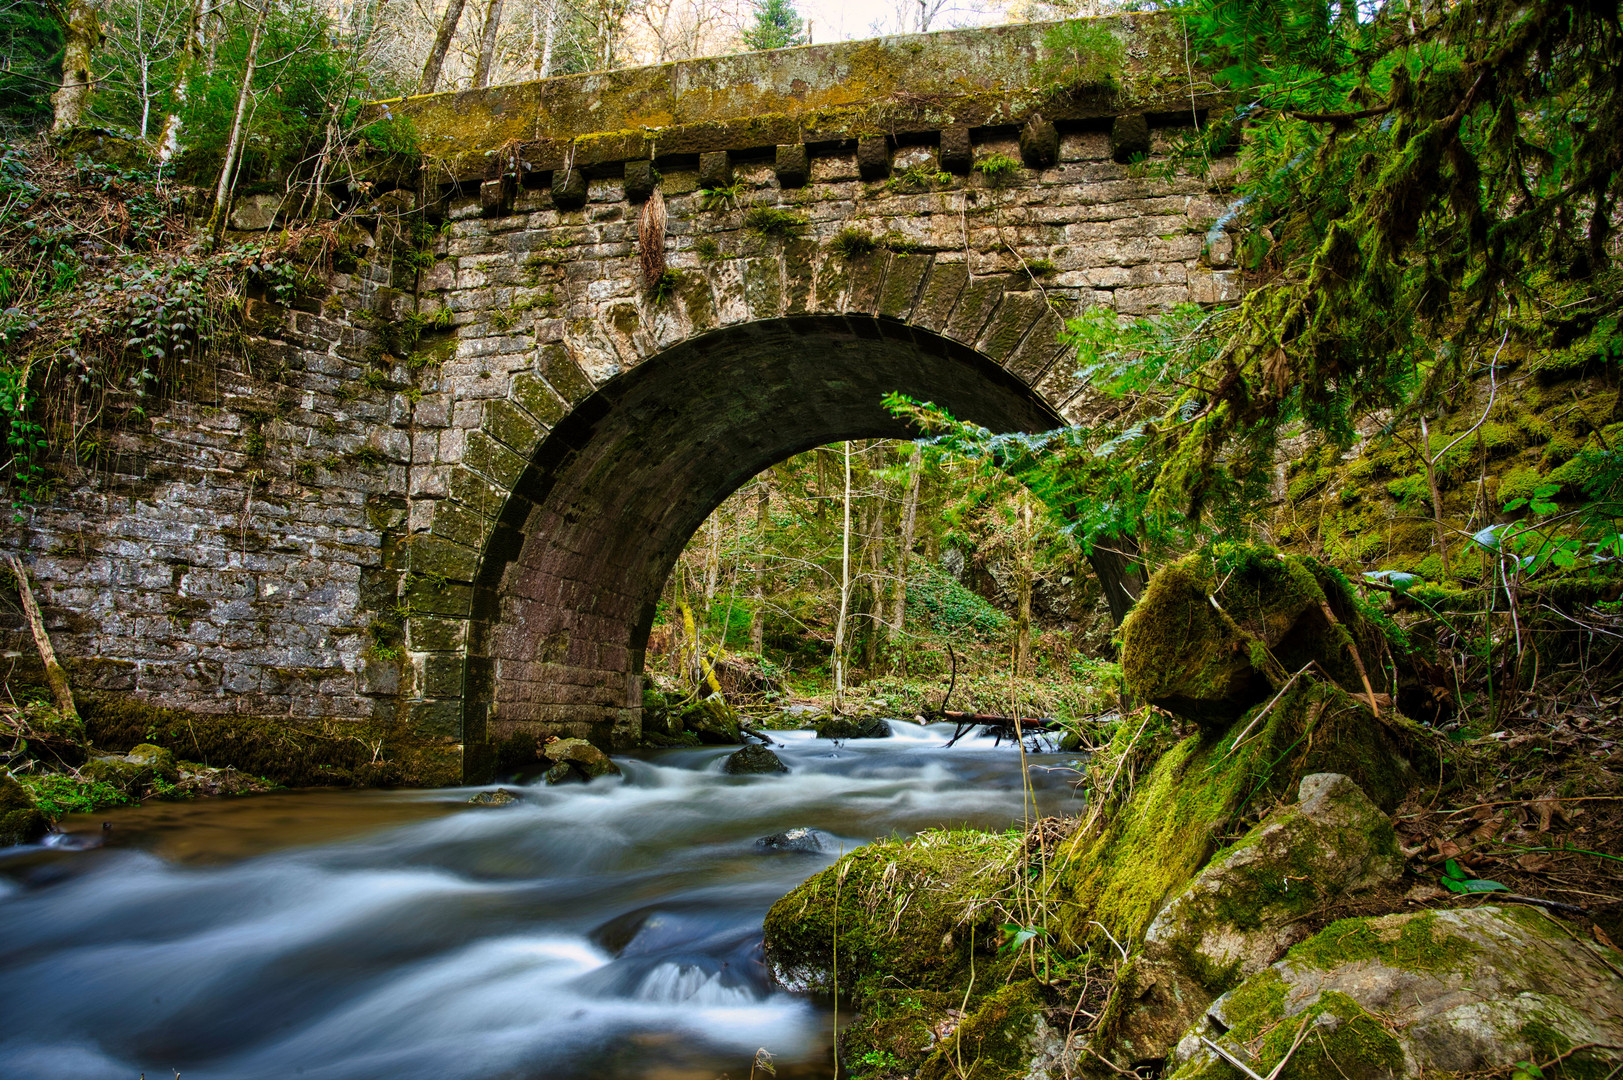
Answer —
(993, 1042)
(853, 243)
(772, 221)
(57, 794)
(1415, 947)
(21, 820)
(283, 750)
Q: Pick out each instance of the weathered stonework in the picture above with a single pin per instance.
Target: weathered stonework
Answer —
(466, 533)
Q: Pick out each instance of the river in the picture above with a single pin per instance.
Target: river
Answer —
(604, 930)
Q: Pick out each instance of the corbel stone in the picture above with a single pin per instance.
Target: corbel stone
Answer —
(957, 150)
(873, 158)
(639, 180)
(1129, 136)
(715, 169)
(793, 165)
(568, 189)
(1039, 143)
(496, 196)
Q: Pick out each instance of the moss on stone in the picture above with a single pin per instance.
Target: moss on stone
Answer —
(21, 822)
(278, 748)
(1415, 947)
(993, 1042)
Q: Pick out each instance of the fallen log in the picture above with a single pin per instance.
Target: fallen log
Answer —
(54, 675)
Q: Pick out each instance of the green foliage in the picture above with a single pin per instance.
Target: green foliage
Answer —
(665, 286)
(1079, 53)
(952, 609)
(721, 198)
(999, 170)
(853, 243)
(31, 42)
(776, 25)
(773, 221)
(918, 178)
(58, 794)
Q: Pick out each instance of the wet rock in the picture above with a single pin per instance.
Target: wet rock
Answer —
(753, 759)
(1246, 907)
(134, 771)
(204, 781)
(564, 773)
(1420, 994)
(21, 822)
(582, 755)
(847, 727)
(499, 797)
(805, 841)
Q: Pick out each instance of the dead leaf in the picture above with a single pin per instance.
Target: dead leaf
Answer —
(1535, 862)
(1601, 936)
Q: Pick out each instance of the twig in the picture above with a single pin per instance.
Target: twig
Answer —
(1277, 1069)
(1267, 709)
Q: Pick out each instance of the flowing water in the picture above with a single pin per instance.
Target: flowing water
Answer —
(603, 930)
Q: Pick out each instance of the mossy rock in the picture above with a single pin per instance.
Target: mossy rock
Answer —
(585, 758)
(1210, 638)
(1137, 852)
(713, 721)
(1241, 912)
(280, 749)
(995, 1042)
(912, 910)
(134, 772)
(21, 822)
(853, 727)
(1459, 991)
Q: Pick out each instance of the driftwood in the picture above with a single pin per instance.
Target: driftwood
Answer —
(54, 675)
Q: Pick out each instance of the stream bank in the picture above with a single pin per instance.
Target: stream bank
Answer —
(1236, 881)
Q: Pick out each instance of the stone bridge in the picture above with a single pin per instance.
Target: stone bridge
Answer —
(445, 497)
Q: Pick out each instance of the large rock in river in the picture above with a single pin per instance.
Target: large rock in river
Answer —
(1471, 990)
(753, 759)
(577, 755)
(851, 727)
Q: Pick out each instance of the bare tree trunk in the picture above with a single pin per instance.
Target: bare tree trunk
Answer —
(712, 560)
(904, 546)
(442, 45)
(1024, 572)
(763, 519)
(845, 591)
(54, 675)
(873, 598)
(1112, 562)
(81, 31)
(233, 146)
(487, 45)
(548, 34)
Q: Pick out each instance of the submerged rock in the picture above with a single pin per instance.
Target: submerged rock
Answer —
(581, 755)
(805, 841)
(847, 727)
(564, 773)
(499, 797)
(21, 822)
(753, 759)
(1417, 994)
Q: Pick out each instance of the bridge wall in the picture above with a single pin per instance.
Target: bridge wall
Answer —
(304, 536)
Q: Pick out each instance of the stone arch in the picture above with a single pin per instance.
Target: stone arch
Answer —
(573, 568)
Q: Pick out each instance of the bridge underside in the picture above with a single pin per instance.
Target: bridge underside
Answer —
(575, 566)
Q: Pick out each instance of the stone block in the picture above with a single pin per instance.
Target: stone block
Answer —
(441, 675)
(435, 719)
(555, 365)
(715, 169)
(1039, 143)
(873, 158)
(490, 458)
(902, 281)
(1129, 137)
(640, 180)
(429, 634)
(957, 153)
(792, 166)
(512, 426)
(443, 558)
(495, 197)
(1008, 327)
(538, 399)
(568, 189)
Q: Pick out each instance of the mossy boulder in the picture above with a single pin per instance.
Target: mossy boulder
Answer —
(1136, 852)
(1242, 911)
(713, 721)
(995, 1042)
(21, 822)
(579, 756)
(1411, 995)
(853, 727)
(498, 797)
(912, 919)
(135, 771)
(1213, 636)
